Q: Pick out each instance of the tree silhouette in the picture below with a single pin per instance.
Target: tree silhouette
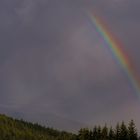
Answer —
(111, 135)
(104, 133)
(132, 131)
(123, 132)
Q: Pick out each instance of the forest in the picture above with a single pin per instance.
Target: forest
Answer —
(15, 129)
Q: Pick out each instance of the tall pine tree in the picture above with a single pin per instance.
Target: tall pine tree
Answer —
(117, 132)
(104, 133)
(99, 130)
(111, 135)
(123, 132)
(132, 131)
(95, 134)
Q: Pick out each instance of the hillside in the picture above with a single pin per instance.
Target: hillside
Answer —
(13, 129)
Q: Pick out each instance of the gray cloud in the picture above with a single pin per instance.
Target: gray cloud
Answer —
(53, 62)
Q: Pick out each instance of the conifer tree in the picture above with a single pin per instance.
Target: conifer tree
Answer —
(94, 133)
(117, 132)
(84, 134)
(111, 135)
(99, 130)
(132, 131)
(123, 132)
(104, 133)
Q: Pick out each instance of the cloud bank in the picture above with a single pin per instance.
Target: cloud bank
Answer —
(52, 62)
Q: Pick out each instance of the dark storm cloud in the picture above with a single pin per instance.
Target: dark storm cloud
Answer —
(52, 63)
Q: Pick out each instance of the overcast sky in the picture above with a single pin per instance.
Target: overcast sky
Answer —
(53, 69)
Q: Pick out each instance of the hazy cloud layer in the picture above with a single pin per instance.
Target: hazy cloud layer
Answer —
(53, 62)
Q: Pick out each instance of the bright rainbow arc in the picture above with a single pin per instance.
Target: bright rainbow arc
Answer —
(117, 51)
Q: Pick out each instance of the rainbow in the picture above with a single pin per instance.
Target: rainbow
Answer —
(116, 50)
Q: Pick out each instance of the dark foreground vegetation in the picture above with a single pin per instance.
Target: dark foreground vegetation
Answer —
(13, 129)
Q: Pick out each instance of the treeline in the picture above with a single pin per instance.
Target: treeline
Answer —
(13, 129)
(120, 132)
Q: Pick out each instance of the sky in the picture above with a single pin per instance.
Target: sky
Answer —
(55, 68)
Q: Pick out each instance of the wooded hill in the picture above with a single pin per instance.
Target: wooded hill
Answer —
(13, 129)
